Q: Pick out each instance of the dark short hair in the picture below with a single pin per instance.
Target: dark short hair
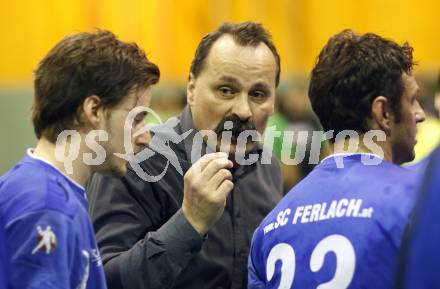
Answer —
(350, 72)
(244, 34)
(82, 65)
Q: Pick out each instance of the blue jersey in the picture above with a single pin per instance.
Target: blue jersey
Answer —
(49, 237)
(420, 166)
(339, 226)
(3, 260)
(422, 255)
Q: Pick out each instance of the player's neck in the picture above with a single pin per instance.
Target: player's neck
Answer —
(75, 169)
(381, 149)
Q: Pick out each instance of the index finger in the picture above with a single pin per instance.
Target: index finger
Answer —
(201, 164)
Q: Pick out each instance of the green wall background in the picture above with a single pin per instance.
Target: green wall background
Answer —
(15, 125)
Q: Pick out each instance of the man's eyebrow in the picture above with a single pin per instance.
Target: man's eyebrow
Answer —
(230, 79)
(416, 93)
(137, 99)
(132, 104)
(261, 85)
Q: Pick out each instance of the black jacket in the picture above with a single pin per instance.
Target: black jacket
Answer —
(145, 240)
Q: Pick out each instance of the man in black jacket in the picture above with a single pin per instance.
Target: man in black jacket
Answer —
(159, 229)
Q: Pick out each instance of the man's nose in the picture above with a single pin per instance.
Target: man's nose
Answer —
(242, 107)
(142, 139)
(420, 113)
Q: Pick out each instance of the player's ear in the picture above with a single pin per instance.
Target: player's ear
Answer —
(190, 89)
(381, 114)
(91, 111)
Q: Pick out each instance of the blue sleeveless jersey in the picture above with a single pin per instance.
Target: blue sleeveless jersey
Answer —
(422, 255)
(48, 235)
(3, 274)
(341, 227)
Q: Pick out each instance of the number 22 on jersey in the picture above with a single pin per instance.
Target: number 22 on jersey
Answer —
(338, 244)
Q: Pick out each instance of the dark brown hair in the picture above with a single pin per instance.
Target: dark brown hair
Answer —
(244, 34)
(350, 72)
(82, 65)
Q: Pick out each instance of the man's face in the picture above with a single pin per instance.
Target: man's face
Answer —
(437, 102)
(237, 83)
(114, 125)
(403, 133)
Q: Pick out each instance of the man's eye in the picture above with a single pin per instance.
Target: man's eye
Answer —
(258, 94)
(226, 91)
(140, 118)
(415, 99)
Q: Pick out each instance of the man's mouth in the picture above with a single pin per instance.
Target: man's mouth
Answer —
(235, 137)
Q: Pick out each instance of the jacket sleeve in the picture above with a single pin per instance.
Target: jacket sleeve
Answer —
(140, 245)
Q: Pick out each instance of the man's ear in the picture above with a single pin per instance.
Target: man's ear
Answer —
(92, 111)
(190, 89)
(381, 114)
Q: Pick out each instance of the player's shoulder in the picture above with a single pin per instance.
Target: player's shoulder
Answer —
(30, 186)
(379, 179)
(384, 183)
(396, 181)
(388, 170)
